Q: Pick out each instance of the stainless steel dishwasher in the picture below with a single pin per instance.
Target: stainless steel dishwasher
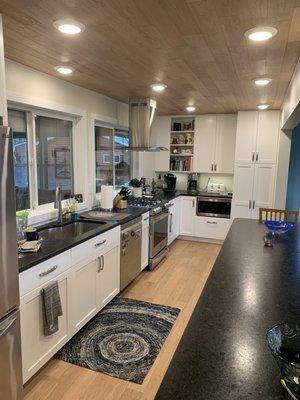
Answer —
(131, 247)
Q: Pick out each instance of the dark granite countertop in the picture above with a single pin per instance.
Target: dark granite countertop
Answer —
(53, 247)
(223, 353)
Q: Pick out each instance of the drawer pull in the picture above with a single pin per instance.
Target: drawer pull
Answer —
(100, 243)
(146, 219)
(48, 271)
(100, 263)
(211, 222)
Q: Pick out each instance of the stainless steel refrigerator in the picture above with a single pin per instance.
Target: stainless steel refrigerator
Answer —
(10, 341)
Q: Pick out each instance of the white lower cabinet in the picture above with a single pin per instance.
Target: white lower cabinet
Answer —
(145, 241)
(187, 215)
(253, 188)
(37, 349)
(85, 288)
(174, 220)
(211, 228)
(108, 277)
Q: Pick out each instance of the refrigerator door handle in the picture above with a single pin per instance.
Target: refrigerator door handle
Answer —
(6, 326)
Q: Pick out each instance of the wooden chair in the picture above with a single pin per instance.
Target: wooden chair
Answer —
(273, 214)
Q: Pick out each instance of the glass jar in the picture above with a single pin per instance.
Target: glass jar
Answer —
(22, 224)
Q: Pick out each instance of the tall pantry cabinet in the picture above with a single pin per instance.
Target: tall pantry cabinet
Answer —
(255, 167)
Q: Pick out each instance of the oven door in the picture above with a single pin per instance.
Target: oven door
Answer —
(158, 233)
(219, 207)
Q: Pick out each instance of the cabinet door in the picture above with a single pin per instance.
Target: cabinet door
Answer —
(83, 294)
(267, 137)
(263, 189)
(145, 242)
(204, 143)
(188, 213)
(246, 133)
(225, 143)
(160, 136)
(212, 228)
(242, 191)
(108, 277)
(37, 349)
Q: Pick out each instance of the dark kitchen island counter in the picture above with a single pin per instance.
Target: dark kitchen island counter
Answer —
(223, 354)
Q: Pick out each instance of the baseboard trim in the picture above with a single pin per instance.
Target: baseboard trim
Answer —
(199, 239)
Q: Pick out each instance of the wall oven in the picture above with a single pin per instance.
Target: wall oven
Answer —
(218, 207)
(158, 238)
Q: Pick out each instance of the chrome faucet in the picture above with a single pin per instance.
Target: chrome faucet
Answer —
(58, 205)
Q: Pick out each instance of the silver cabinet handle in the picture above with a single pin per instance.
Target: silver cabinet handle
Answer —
(100, 263)
(211, 222)
(171, 223)
(146, 219)
(100, 243)
(256, 156)
(253, 206)
(215, 167)
(193, 203)
(250, 203)
(212, 167)
(48, 271)
(253, 155)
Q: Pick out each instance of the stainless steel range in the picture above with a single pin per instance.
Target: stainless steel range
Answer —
(158, 232)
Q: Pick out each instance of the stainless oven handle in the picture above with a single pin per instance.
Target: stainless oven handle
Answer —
(159, 217)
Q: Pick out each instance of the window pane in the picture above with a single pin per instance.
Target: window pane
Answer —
(122, 157)
(54, 158)
(103, 156)
(17, 121)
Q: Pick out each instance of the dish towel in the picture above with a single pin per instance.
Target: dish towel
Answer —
(51, 308)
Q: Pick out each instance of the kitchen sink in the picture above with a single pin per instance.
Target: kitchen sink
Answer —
(69, 230)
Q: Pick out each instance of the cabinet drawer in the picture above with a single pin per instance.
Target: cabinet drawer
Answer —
(41, 273)
(91, 249)
(212, 228)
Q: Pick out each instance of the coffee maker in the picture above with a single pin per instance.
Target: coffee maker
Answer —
(192, 183)
(169, 183)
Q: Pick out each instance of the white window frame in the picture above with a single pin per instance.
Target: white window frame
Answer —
(113, 127)
(31, 112)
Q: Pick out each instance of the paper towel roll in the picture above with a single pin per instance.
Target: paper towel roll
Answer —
(107, 197)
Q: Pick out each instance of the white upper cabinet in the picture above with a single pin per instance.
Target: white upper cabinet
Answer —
(204, 143)
(246, 136)
(225, 143)
(160, 136)
(214, 143)
(257, 137)
(267, 137)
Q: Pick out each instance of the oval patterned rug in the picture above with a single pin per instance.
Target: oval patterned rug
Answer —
(122, 340)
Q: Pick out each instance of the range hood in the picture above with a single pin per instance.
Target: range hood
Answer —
(141, 114)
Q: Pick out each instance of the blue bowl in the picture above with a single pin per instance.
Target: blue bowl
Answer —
(284, 342)
(279, 227)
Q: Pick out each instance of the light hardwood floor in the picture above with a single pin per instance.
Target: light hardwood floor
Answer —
(178, 282)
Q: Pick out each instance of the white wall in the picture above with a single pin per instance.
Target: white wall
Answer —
(290, 118)
(291, 101)
(28, 87)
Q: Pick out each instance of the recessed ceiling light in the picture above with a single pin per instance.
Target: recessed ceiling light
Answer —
(64, 69)
(158, 87)
(190, 108)
(261, 33)
(69, 26)
(263, 106)
(262, 81)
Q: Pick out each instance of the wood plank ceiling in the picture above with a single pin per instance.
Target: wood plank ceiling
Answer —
(196, 47)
